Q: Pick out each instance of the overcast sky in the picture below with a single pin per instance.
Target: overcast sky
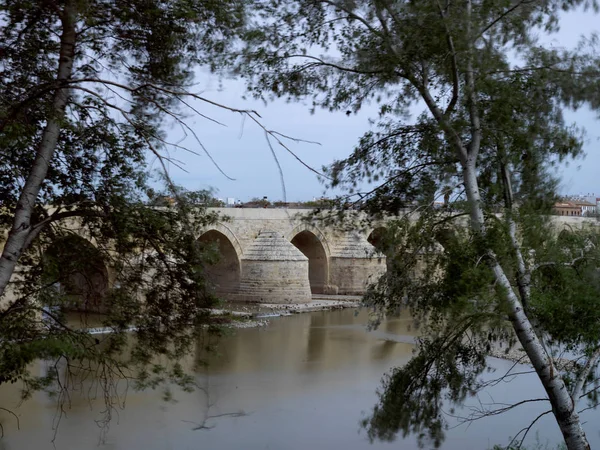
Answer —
(242, 152)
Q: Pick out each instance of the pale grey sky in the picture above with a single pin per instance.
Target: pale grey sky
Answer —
(243, 153)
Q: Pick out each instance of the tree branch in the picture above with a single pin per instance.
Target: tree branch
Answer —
(417, 167)
(526, 430)
(342, 7)
(500, 18)
(252, 114)
(566, 264)
(38, 227)
(473, 147)
(455, 77)
(440, 118)
(482, 412)
(12, 414)
(321, 62)
(582, 376)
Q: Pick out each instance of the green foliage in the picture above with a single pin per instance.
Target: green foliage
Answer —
(412, 396)
(259, 203)
(130, 56)
(566, 287)
(489, 136)
(158, 309)
(98, 240)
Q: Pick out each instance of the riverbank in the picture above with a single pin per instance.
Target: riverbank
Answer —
(245, 315)
(518, 355)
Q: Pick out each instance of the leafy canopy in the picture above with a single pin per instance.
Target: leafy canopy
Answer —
(488, 136)
(94, 243)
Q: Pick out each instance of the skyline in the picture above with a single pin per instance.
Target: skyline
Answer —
(243, 153)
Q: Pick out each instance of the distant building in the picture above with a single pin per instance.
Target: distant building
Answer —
(587, 208)
(566, 208)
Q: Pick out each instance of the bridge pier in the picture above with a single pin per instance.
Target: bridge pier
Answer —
(283, 258)
(274, 271)
(297, 257)
(266, 256)
(354, 264)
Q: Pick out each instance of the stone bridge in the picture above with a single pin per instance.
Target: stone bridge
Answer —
(274, 256)
(267, 256)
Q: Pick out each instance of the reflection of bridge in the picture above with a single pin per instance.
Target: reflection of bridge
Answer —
(272, 255)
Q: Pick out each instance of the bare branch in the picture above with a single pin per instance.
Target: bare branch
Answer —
(12, 414)
(416, 168)
(473, 147)
(526, 430)
(57, 215)
(483, 410)
(278, 166)
(582, 376)
(181, 94)
(566, 264)
(500, 18)
(152, 148)
(321, 62)
(202, 425)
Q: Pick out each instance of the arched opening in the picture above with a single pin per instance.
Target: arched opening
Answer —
(75, 270)
(380, 239)
(377, 239)
(312, 248)
(224, 272)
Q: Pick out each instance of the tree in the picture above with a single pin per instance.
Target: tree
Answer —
(491, 127)
(88, 87)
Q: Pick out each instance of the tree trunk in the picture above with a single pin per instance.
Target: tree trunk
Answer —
(563, 405)
(17, 237)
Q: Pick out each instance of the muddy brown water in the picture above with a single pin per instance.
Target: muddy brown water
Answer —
(303, 382)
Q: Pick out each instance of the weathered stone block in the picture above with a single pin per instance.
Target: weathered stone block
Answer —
(330, 289)
(274, 271)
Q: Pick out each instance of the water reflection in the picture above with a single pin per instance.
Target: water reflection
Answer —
(304, 382)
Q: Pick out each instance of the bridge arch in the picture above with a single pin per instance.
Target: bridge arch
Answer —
(315, 231)
(230, 235)
(377, 239)
(312, 243)
(76, 269)
(225, 273)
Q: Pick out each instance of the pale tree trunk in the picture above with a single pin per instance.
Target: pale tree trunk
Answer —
(523, 272)
(22, 226)
(563, 405)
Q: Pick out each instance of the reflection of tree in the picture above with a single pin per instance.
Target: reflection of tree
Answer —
(383, 350)
(207, 422)
(401, 325)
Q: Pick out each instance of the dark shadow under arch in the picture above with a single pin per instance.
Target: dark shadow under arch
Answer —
(75, 268)
(224, 274)
(318, 268)
(377, 239)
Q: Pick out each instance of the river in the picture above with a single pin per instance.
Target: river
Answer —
(303, 382)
